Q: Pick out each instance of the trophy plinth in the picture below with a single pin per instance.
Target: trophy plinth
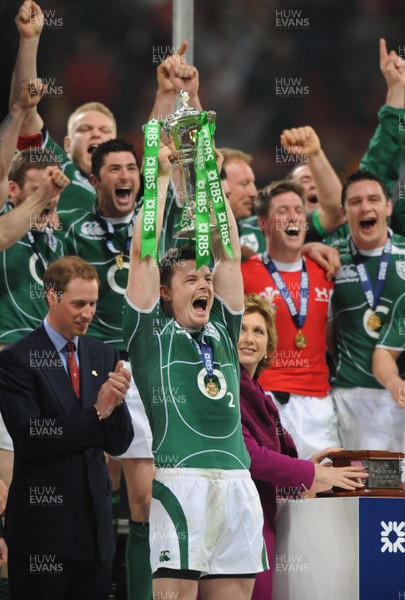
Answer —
(384, 472)
(182, 126)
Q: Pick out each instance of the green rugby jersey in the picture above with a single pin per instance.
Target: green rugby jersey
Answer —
(355, 339)
(190, 428)
(393, 333)
(250, 235)
(22, 303)
(86, 235)
(79, 193)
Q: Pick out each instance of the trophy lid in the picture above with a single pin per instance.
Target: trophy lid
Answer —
(186, 115)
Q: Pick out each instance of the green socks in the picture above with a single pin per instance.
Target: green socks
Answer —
(139, 575)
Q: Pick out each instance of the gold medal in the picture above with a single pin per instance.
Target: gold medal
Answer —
(374, 321)
(119, 261)
(212, 388)
(300, 340)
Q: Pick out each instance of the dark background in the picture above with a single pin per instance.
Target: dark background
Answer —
(107, 50)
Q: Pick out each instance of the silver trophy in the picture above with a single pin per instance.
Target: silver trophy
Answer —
(182, 126)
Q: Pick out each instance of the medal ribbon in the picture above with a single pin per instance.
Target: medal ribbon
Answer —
(371, 293)
(205, 352)
(300, 315)
(34, 246)
(111, 230)
(150, 170)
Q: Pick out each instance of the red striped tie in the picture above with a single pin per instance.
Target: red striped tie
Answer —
(73, 368)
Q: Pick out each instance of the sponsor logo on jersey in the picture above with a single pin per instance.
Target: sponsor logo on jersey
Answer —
(270, 294)
(92, 229)
(211, 331)
(347, 273)
(322, 294)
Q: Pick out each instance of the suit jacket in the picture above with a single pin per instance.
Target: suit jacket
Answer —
(60, 496)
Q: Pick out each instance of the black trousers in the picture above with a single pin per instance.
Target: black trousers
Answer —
(47, 577)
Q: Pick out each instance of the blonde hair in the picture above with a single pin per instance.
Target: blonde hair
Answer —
(97, 106)
(255, 303)
(230, 154)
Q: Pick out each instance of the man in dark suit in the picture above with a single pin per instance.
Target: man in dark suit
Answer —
(64, 407)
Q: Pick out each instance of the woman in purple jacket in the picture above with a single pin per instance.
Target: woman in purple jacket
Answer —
(275, 467)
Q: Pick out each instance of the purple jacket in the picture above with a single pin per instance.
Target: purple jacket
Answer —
(275, 468)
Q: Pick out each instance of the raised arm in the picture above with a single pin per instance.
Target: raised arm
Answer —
(303, 141)
(15, 224)
(385, 370)
(144, 279)
(227, 275)
(386, 147)
(173, 75)
(29, 21)
(28, 97)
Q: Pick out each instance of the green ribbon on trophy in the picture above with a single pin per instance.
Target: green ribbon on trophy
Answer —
(150, 171)
(208, 187)
(213, 189)
(192, 133)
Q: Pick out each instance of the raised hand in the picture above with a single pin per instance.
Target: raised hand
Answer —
(301, 141)
(30, 19)
(174, 74)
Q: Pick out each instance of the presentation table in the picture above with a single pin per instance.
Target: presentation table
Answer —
(342, 548)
